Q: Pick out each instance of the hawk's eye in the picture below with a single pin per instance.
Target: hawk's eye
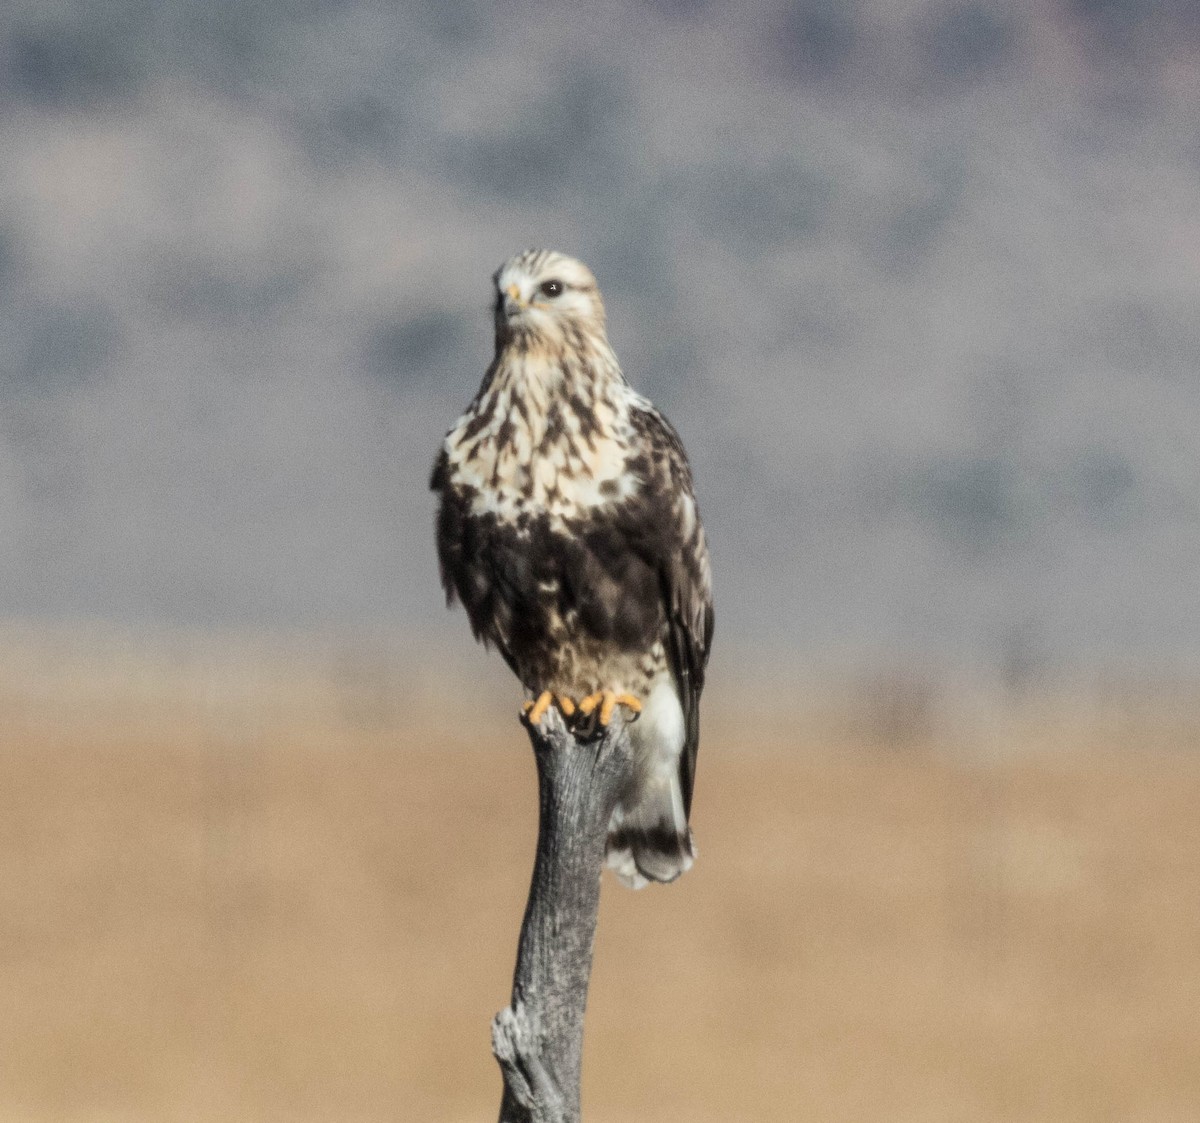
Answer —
(551, 288)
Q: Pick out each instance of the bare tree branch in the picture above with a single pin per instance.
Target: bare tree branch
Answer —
(538, 1040)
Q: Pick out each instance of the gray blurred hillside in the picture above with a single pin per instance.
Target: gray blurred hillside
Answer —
(918, 282)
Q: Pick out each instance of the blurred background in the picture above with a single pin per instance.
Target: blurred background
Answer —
(917, 281)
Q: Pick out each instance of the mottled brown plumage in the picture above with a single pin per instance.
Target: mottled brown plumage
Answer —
(568, 530)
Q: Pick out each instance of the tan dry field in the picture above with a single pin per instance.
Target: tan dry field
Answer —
(241, 883)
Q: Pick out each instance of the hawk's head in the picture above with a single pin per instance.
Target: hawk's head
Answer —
(546, 299)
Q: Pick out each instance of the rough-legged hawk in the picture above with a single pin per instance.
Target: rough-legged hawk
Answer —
(569, 531)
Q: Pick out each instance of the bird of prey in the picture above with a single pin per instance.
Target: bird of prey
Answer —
(568, 529)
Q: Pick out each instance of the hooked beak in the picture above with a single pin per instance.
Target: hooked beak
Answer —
(513, 304)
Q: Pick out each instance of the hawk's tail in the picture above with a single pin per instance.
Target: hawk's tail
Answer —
(648, 836)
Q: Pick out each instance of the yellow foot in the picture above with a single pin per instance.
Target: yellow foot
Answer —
(608, 702)
(536, 709)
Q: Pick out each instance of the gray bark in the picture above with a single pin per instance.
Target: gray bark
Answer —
(538, 1040)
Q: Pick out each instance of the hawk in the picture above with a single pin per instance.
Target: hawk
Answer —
(568, 529)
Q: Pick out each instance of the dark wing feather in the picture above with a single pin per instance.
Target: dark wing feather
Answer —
(677, 550)
(444, 536)
(466, 563)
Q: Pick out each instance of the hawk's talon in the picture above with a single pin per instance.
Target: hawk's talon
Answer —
(588, 704)
(608, 701)
(535, 709)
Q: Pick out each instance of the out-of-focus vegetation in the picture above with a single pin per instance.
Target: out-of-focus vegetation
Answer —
(916, 283)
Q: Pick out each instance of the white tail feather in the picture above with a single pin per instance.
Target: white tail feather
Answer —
(648, 835)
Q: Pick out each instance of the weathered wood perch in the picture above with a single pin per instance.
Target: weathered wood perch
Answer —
(538, 1040)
